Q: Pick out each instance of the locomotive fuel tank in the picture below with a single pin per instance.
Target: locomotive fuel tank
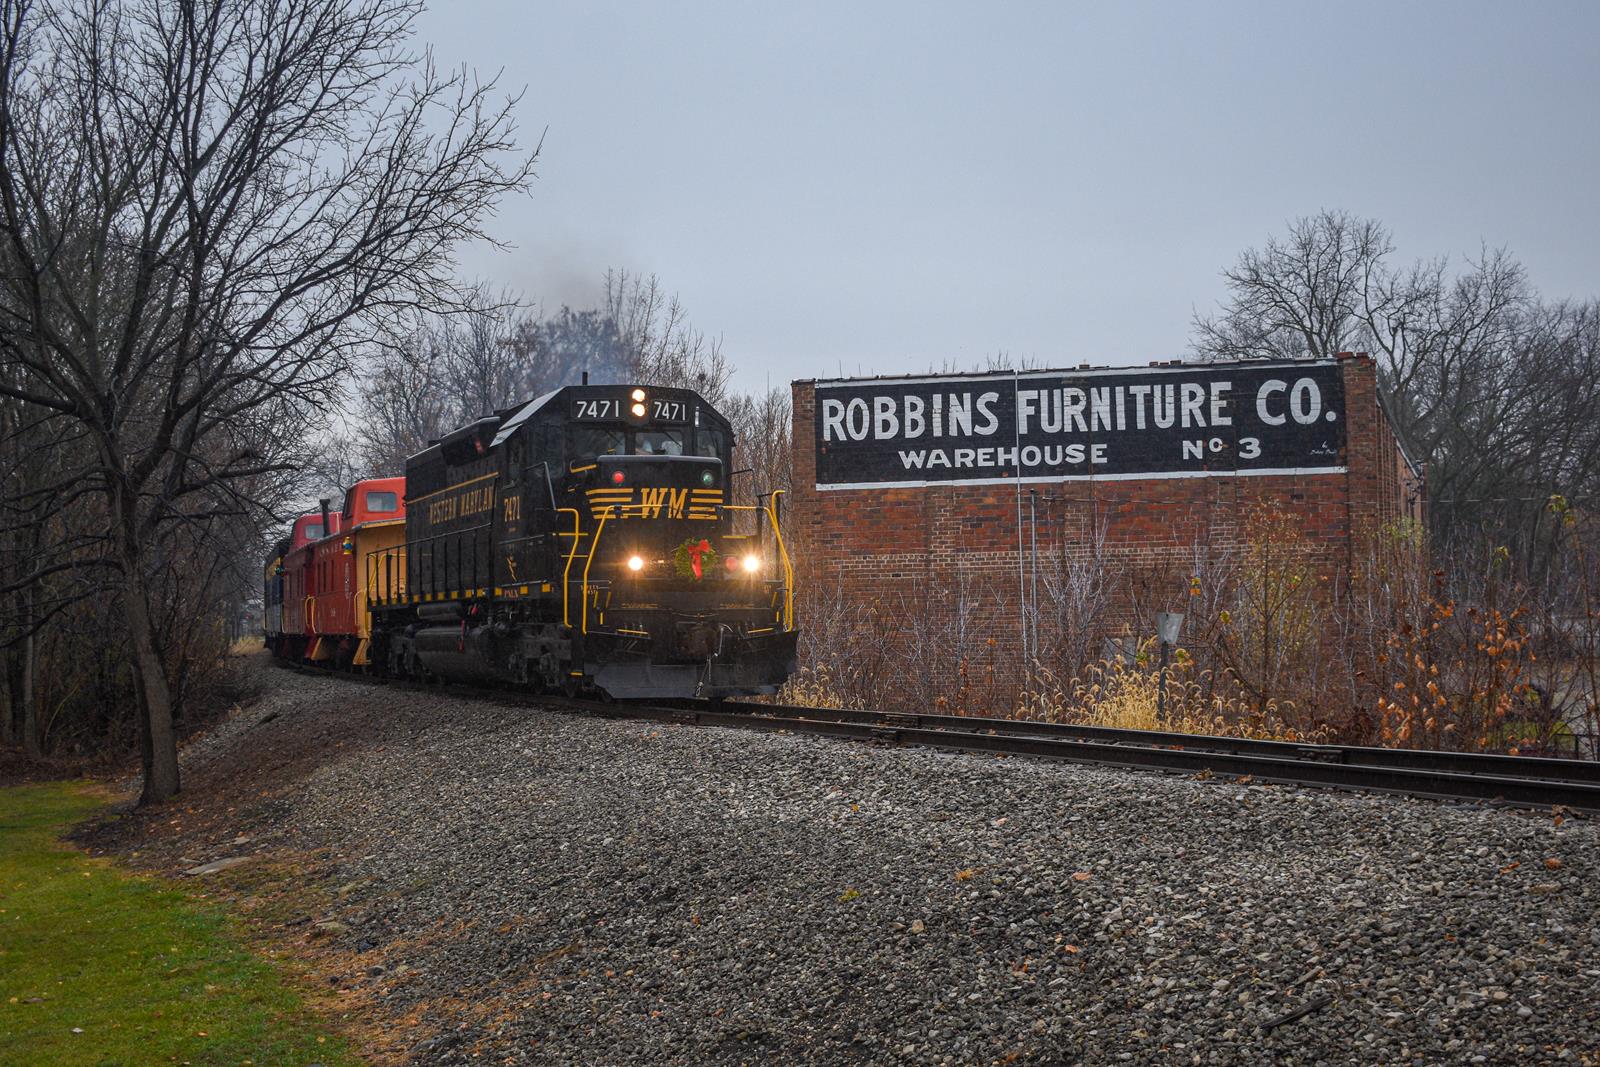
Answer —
(465, 652)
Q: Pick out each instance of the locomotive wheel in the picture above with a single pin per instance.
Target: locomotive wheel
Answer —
(525, 674)
(533, 677)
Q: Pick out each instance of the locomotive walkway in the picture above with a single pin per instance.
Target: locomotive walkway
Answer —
(504, 883)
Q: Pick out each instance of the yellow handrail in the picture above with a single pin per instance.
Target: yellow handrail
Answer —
(594, 544)
(396, 584)
(566, 572)
(386, 584)
(783, 554)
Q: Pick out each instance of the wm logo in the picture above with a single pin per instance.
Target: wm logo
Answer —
(651, 501)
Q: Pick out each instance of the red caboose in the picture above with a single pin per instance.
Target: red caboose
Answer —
(372, 520)
(300, 580)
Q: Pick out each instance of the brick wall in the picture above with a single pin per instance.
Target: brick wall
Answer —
(905, 546)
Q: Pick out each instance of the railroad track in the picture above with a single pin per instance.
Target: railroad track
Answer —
(1522, 781)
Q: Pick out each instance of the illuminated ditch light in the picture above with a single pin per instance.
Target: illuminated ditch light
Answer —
(751, 564)
(635, 563)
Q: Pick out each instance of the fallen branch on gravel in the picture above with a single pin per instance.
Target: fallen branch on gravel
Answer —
(1299, 1013)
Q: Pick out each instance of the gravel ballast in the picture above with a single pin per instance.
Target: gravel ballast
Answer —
(525, 886)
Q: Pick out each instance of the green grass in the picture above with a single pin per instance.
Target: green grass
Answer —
(101, 967)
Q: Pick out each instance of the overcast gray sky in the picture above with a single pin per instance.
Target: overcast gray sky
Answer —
(881, 187)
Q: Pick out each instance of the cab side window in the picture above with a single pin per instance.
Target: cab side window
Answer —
(516, 458)
(711, 442)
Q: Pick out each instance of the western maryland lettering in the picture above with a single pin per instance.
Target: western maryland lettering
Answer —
(461, 502)
(650, 502)
(1179, 422)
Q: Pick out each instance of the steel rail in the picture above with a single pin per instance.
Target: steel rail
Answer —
(1520, 790)
(1516, 781)
(1574, 770)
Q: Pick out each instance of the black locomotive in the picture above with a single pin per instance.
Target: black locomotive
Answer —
(587, 541)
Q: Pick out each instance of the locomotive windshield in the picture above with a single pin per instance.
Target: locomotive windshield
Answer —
(589, 441)
(658, 443)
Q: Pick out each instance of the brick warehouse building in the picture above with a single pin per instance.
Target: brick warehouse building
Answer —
(908, 487)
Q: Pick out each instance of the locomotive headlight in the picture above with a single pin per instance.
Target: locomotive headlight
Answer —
(636, 563)
(638, 411)
(751, 564)
(638, 395)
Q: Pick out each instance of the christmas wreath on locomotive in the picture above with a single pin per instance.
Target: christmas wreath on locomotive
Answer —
(586, 541)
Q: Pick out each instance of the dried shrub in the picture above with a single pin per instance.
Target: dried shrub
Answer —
(1114, 693)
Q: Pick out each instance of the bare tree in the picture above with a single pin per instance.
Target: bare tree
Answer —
(559, 349)
(204, 208)
(1298, 297)
(480, 356)
(448, 370)
(762, 425)
(1073, 614)
(662, 347)
(1497, 392)
(442, 372)
(493, 352)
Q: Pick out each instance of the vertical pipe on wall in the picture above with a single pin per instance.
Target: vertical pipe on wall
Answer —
(1033, 555)
(1022, 585)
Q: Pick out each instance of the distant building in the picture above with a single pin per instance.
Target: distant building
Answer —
(905, 485)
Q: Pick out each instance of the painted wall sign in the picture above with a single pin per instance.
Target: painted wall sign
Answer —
(1157, 422)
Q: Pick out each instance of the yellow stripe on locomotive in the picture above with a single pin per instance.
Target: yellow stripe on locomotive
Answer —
(655, 502)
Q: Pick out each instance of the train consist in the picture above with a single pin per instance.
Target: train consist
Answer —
(584, 541)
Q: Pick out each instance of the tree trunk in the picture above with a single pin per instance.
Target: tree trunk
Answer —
(30, 705)
(8, 728)
(157, 741)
